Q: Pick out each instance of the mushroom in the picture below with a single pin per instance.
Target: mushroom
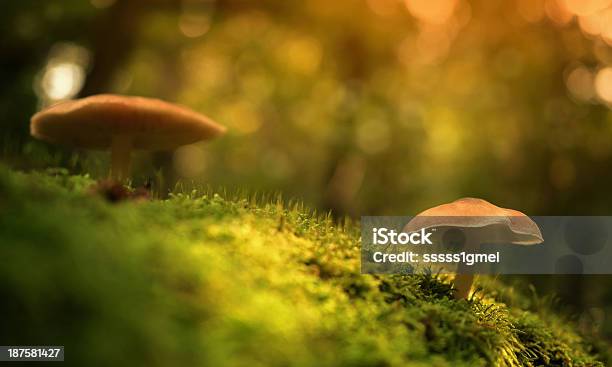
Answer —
(121, 124)
(481, 222)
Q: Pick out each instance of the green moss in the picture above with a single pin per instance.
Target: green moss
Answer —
(200, 279)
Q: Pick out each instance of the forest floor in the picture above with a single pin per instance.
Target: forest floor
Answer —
(205, 279)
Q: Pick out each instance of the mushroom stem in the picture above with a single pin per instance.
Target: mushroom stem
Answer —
(463, 285)
(121, 153)
(464, 279)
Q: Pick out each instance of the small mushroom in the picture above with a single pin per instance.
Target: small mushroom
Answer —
(121, 124)
(481, 222)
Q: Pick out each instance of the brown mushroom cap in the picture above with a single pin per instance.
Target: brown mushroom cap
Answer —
(486, 222)
(151, 124)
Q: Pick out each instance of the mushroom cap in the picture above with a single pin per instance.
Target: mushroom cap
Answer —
(92, 122)
(485, 221)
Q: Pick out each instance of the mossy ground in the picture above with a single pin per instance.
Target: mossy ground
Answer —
(203, 279)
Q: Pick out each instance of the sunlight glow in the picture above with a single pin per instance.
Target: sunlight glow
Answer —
(431, 11)
(605, 27)
(590, 24)
(586, 7)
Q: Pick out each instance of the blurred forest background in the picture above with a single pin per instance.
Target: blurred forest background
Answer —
(357, 106)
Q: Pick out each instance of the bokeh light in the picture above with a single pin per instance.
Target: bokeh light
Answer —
(62, 80)
(558, 12)
(579, 83)
(194, 25)
(302, 54)
(433, 80)
(64, 75)
(603, 84)
(590, 24)
(431, 11)
(241, 117)
(586, 7)
(445, 136)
